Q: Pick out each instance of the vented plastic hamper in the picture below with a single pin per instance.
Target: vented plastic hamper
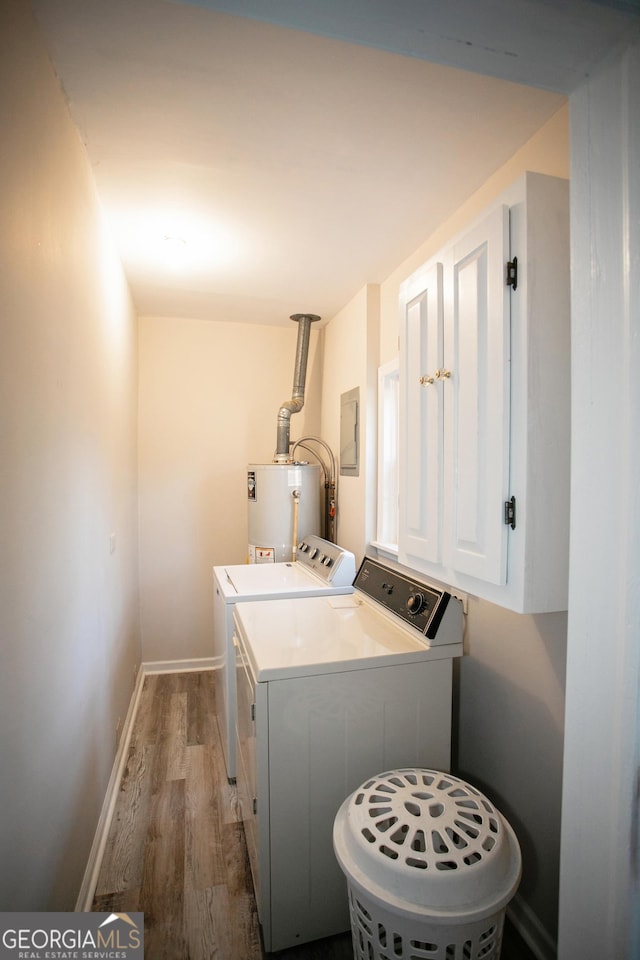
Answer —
(430, 865)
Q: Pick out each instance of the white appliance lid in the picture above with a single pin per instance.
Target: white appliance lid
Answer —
(250, 581)
(287, 638)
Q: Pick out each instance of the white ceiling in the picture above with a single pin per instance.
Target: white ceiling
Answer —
(286, 168)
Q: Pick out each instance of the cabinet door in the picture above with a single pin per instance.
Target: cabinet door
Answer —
(479, 386)
(421, 416)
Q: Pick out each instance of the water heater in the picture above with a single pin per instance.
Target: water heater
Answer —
(284, 506)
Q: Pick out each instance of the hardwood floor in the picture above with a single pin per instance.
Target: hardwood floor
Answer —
(176, 849)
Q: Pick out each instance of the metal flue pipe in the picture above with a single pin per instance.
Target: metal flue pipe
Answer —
(296, 403)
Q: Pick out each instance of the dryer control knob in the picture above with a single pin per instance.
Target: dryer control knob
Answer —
(415, 602)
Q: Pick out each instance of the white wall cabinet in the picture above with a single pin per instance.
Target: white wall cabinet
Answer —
(484, 402)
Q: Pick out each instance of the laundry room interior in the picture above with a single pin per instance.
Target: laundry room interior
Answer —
(136, 397)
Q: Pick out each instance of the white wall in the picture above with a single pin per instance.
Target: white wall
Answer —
(509, 742)
(546, 152)
(351, 360)
(510, 684)
(68, 606)
(209, 398)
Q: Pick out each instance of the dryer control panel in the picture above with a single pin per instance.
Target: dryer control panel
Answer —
(419, 604)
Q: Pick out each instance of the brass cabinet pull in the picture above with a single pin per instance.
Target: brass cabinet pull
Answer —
(438, 375)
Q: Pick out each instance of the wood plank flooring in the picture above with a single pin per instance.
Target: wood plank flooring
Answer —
(176, 849)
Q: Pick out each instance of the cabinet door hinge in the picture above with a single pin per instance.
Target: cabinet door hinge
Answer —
(510, 513)
(512, 273)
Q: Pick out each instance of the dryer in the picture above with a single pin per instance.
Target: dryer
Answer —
(333, 690)
(321, 568)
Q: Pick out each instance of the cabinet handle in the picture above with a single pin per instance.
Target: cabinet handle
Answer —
(438, 375)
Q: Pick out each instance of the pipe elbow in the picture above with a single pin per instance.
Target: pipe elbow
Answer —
(290, 407)
(296, 403)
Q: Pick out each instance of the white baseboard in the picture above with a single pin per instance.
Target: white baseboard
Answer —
(181, 666)
(92, 870)
(531, 930)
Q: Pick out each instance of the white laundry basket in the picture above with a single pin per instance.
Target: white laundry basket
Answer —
(430, 866)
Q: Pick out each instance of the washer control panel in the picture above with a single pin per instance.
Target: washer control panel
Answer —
(327, 560)
(419, 604)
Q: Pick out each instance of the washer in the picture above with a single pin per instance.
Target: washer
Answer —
(333, 690)
(321, 568)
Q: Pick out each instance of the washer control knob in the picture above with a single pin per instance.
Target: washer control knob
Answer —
(313, 553)
(415, 602)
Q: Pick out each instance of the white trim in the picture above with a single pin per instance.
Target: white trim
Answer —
(387, 549)
(181, 666)
(388, 443)
(600, 803)
(525, 921)
(92, 870)
(94, 863)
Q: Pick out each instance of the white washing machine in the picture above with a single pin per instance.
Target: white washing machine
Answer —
(332, 691)
(321, 568)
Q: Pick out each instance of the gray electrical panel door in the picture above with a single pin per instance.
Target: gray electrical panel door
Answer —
(350, 433)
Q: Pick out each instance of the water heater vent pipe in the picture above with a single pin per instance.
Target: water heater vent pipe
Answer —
(296, 403)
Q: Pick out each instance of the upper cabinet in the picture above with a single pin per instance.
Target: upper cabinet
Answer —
(484, 404)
